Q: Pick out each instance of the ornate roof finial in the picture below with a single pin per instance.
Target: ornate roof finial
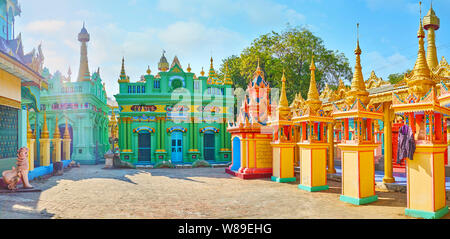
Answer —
(358, 87)
(66, 131)
(431, 23)
(163, 65)
(189, 69)
(202, 73)
(44, 132)
(419, 81)
(313, 100)
(283, 106)
(226, 78)
(56, 134)
(123, 76)
(148, 70)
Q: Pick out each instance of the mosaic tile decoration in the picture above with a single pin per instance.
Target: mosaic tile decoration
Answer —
(9, 134)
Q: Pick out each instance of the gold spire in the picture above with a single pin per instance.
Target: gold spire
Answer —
(202, 73)
(431, 23)
(189, 69)
(226, 78)
(29, 131)
(313, 94)
(419, 81)
(45, 133)
(123, 76)
(66, 131)
(358, 87)
(56, 134)
(283, 106)
(149, 71)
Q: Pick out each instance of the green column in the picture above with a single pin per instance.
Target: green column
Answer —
(120, 134)
(130, 133)
(158, 134)
(163, 128)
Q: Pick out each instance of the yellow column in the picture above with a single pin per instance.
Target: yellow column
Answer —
(30, 144)
(45, 144)
(331, 168)
(56, 143)
(283, 162)
(66, 143)
(388, 175)
(426, 182)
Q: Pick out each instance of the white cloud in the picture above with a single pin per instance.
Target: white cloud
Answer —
(386, 65)
(45, 26)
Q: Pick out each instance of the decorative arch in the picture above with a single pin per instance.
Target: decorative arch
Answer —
(177, 128)
(209, 128)
(144, 128)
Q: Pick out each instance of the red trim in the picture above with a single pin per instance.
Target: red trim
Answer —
(359, 177)
(408, 191)
(311, 168)
(342, 163)
(254, 150)
(433, 185)
(281, 159)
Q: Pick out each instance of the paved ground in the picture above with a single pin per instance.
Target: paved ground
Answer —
(93, 192)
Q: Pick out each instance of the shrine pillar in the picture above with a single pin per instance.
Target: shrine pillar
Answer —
(358, 164)
(387, 124)
(331, 168)
(45, 144)
(315, 149)
(30, 144)
(56, 143)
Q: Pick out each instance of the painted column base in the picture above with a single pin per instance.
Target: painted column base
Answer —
(230, 172)
(313, 189)
(359, 201)
(283, 180)
(253, 175)
(426, 214)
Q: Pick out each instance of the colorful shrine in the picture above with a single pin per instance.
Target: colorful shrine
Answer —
(313, 129)
(251, 135)
(357, 150)
(174, 116)
(423, 113)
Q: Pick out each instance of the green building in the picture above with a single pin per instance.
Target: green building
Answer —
(175, 116)
(83, 103)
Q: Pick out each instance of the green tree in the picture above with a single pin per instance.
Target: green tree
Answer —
(291, 51)
(396, 78)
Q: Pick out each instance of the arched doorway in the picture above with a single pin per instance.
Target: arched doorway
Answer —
(177, 147)
(144, 147)
(236, 154)
(209, 146)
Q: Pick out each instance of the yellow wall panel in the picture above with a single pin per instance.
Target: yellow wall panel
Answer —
(367, 176)
(305, 166)
(319, 158)
(276, 162)
(439, 185)
(10, 86)
(350, 169)
(420, 182)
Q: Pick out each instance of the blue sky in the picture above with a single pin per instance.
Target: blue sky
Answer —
(195, 30)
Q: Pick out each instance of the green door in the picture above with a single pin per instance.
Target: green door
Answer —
(145, 150)
(209, 146)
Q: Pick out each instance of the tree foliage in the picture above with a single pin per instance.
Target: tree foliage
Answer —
(291, 51)
(396, 78)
